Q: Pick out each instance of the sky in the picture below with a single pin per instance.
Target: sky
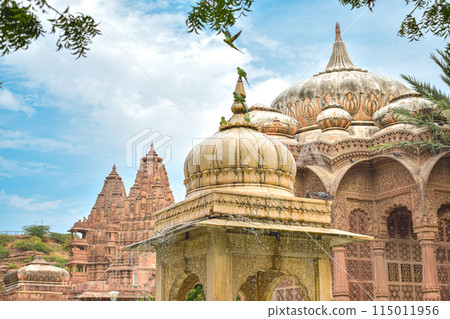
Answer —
(65, 122)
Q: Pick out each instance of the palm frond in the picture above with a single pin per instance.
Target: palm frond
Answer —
(404, 115)
(418, 146)
(442, 63)
(438, 139)
(430, 92)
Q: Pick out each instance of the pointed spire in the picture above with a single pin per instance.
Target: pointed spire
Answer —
(240, 87)
(240, 117)
(338, 32)
(113, 174)
(151, 151)
(339, 60)
(237, 107)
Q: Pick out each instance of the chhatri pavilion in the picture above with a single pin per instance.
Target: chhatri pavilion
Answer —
(241, 231)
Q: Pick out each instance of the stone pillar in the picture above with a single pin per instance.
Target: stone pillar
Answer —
(218, 268)
(430, 283)
(380, 274)
(325, 285)
(340, 284)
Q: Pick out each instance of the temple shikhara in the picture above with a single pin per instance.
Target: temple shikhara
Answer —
(98, 264)
(378, 227)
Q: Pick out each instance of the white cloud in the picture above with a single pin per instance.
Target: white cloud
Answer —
(121, 87)
(11, 168)
(34, 203)
(13, 102)
(24, 141)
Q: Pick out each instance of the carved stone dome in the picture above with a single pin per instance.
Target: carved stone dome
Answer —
(360, 92)
(240, 157)
(37, 272)
(412, 102)
(333, 116)
(272, 122)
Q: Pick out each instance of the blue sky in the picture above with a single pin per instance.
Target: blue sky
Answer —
(65, 122)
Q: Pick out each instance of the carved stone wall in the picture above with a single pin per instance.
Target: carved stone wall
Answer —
(307, 180)
(258, 263)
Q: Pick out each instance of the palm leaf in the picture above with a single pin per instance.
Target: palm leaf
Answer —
(418, 146)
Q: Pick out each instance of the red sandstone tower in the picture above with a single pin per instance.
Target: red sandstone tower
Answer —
(98, 262)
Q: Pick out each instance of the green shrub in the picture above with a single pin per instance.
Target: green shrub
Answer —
(4, 239)
(147, 298)
(37, 230)
(196, 294)
(12, 266)
(56, 259)
(3, 252)
(33, 243)
(61, 265)
(60, 238)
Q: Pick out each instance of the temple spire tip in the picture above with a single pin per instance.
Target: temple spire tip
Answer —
(338, 32)
(151, 151)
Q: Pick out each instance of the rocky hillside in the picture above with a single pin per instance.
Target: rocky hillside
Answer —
(17, 251)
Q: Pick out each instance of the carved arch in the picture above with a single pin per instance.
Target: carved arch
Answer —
(270, 289)
(341, 173)
(267, 281)
(431, 162)
(182, 286)
(309, 179)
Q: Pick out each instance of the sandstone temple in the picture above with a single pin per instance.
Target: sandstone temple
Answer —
(97, 263)
(384, 232)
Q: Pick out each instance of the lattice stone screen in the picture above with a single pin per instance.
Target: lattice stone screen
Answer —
(403, 257)
(286, 290)
(443, 258)
(359, 259)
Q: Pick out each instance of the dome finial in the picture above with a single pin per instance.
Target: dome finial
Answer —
(241, 117)
(239, 106)
(338, 32)
(240, 87)
(339, 60)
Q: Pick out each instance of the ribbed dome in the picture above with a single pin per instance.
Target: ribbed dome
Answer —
(412, 102)
(240, 157)
(37, 272)
(360, 92)
(272, 122)
(333, 117)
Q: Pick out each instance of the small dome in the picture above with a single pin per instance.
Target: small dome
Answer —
(37, 272)
(360, 92)
(240, 157)
(333, 116)
(412, 102)
(272, 122)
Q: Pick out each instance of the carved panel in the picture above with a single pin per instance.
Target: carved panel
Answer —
(371, 104)
(443, 254)
(351, 104)
(403, 257)
(359, 259)
(287, 290)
